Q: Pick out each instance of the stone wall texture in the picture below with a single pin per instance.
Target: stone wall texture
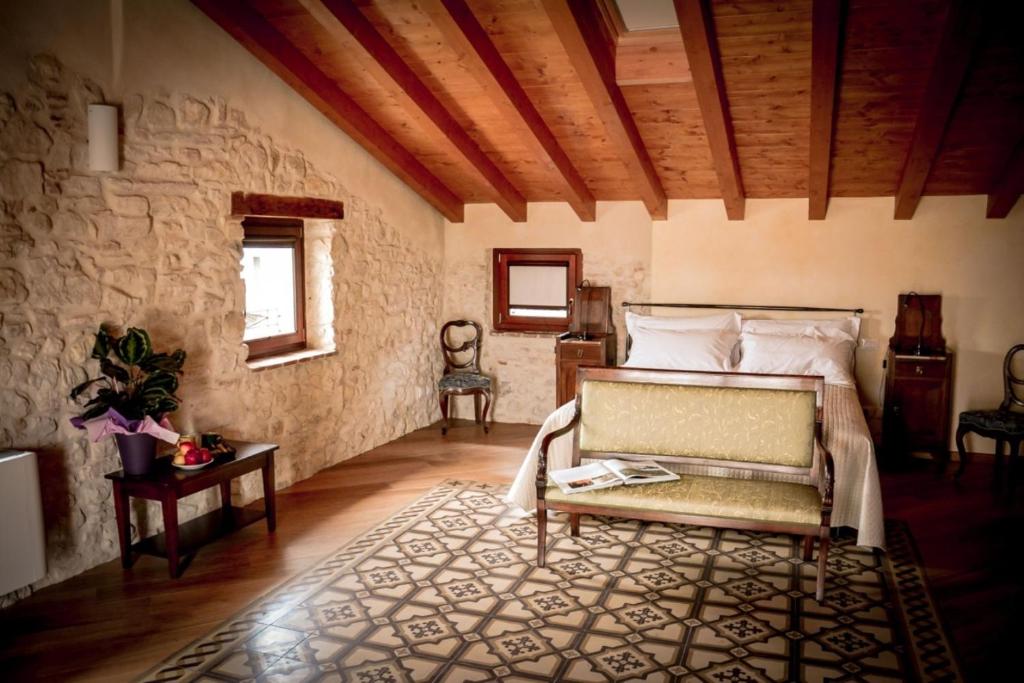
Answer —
(523, 365)
(152, 246)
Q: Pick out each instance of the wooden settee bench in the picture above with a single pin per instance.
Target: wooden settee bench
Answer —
(765, 423)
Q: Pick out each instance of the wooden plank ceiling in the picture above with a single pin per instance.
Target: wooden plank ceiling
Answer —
(518, 101)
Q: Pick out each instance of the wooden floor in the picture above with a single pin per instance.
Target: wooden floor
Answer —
(109, 625)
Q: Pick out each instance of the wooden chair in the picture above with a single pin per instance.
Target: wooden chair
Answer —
(463, 378)
(1003, 424)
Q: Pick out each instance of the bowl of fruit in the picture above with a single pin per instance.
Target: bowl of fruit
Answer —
(190, 456)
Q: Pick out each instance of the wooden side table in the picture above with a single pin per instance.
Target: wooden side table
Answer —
(918, 401)
(167, 484)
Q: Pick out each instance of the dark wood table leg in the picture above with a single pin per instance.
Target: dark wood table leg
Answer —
(225, 498)
(268, 492)
(124, 524)
(170, 509)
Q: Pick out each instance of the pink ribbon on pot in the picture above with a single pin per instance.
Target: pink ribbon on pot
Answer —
(113, 422)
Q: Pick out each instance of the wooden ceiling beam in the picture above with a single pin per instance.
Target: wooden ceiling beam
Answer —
(698, 31)
(578, 29)
(1008, 186)
(349, 18)
(960, 35)
(469, 40)
(258, 36)
(826, 29)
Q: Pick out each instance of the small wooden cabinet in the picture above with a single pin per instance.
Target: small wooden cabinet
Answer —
(574, 352)
(918, 395)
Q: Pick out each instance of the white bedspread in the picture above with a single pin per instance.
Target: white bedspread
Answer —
(858, 495)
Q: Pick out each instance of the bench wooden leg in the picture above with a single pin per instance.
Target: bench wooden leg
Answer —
(574, 523)
(542, 529)
(819, 593)
(808, 547)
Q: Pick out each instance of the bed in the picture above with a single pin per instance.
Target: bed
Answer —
(858, 498)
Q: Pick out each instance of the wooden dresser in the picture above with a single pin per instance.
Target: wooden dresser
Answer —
(574, 352)
(918, 397)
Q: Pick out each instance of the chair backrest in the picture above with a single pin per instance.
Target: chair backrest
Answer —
(1013, 385)
(452, 352)
(737, 420)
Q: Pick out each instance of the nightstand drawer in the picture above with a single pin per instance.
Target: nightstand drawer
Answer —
(572, 353)
(581, 351)
(921, 369)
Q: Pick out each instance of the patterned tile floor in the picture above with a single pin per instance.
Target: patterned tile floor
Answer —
(447, 590)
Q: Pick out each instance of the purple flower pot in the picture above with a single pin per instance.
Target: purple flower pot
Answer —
(138, 452)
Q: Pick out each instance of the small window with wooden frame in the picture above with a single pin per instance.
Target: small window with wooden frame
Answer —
(273, 269)
(534, 288)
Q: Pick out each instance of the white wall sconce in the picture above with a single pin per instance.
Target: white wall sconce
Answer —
(103, 147)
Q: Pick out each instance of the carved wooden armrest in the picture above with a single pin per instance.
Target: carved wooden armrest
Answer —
(542, 457)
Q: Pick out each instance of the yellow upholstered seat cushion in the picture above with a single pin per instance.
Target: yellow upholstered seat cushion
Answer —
(769, 426)
(765, 501)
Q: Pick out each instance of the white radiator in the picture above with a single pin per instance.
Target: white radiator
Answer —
(22, 542)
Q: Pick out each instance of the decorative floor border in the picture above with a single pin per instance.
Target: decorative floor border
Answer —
(923, 626)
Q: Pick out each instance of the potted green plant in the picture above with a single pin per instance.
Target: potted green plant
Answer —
(132, 397)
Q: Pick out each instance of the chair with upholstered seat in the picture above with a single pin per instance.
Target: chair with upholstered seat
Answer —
(1003, 424)
(462, 377)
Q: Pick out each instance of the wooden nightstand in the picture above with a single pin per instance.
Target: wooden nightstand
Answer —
(918, 397)
(574, 352)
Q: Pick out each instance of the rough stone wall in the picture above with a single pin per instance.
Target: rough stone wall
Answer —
(151, 246)
(523, 365)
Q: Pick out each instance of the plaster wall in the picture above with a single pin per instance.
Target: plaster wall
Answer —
(861, 257)
(858, 257)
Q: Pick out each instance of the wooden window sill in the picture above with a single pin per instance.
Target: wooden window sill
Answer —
(290, 358)
(525, 333)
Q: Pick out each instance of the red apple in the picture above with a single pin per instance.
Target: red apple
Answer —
(205, 455)
(192, 457)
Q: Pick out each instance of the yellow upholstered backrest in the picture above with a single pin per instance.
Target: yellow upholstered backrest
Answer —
(769, 426)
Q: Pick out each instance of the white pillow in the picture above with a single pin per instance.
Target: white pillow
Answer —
(709, 350)
(725, 321)
(849, 326)
(828, 356)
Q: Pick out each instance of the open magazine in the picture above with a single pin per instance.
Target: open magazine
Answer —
(607, 473)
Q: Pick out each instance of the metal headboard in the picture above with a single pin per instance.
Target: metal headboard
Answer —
(750, 307)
